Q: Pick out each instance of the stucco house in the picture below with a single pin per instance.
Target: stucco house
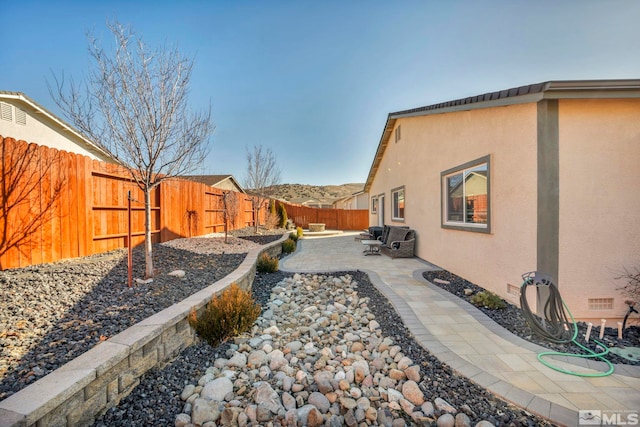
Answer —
(22, 118)
(223, 182)
(543, 177)
(358, 200)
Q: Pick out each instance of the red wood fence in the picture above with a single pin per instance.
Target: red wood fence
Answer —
(337, 219)
(57, 205)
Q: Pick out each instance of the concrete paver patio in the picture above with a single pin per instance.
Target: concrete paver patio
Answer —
(467, 340)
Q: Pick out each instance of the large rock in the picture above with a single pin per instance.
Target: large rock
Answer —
(323, 381)
(239, 360)
(203, 411)
(361, 370)
(443, 405)
(411, 391)
(267, 397)
(217, 389)
(413, 373)
(446, 420)
(256, 359)
(319, 400)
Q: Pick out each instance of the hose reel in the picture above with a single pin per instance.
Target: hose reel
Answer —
(556, 326)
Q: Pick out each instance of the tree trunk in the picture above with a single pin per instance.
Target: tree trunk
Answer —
(148, 248)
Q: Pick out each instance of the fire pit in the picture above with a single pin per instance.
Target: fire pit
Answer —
(316, 227)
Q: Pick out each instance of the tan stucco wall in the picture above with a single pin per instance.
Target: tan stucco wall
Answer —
(599, 224)
(599, 200)
(432, 144)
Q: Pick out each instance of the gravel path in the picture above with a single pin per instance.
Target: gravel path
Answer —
(157, 401)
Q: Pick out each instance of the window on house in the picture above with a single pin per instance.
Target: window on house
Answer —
(398, 134)
(465, 191)
(374, 205)
(397, 204)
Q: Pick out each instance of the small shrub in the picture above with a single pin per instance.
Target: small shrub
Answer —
(267, 264)
(282, 211)
(232, 312)
(489, 300)
(272, 221)
(299, 232)
(288, 246)
(294, 237)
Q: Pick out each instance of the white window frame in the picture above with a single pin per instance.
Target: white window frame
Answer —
(464, 225)
(374, 204)
(395, 210)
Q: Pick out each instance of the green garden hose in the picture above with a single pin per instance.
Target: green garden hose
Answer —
(555, 326)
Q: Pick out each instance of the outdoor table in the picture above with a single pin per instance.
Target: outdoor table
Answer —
(373, 247)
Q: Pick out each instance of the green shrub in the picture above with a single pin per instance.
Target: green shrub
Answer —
(232, 312)
(282, 212)
(267, 264)
(288, 246)
(489, 300)
(294, 237)
(299, 232)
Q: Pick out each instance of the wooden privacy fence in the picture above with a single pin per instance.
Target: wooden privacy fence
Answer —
(337, 219)
(57, 205)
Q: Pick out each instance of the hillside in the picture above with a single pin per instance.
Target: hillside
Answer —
(303, 193)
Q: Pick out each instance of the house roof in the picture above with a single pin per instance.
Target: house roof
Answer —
(62, 126)
(559, 89)
(214, 180)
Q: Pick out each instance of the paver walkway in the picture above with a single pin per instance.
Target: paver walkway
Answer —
(467, 340)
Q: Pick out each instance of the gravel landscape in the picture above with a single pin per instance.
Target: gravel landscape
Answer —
(51, 313)
(170, 394)
(511, 318)
(95, 303)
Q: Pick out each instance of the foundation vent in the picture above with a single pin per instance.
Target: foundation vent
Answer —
(513, 290)
(600, 303)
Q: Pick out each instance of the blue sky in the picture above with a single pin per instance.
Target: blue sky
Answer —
(315, 80)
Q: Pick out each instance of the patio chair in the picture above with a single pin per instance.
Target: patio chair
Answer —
(401, 243)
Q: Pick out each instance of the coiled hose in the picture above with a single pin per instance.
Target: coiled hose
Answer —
(556, 326)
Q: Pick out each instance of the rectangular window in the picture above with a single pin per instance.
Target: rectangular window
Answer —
(398, 135)
(465, 201)
(374, 205)
(397, 204)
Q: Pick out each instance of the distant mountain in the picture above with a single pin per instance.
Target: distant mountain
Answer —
(313, 194)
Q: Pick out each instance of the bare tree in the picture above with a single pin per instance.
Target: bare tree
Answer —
(262, 174)
(28, 192)
(231, 206)
(134, 104)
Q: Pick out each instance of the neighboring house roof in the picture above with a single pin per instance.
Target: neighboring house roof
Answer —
(58, 124)
(576, 89)
(216, 180)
